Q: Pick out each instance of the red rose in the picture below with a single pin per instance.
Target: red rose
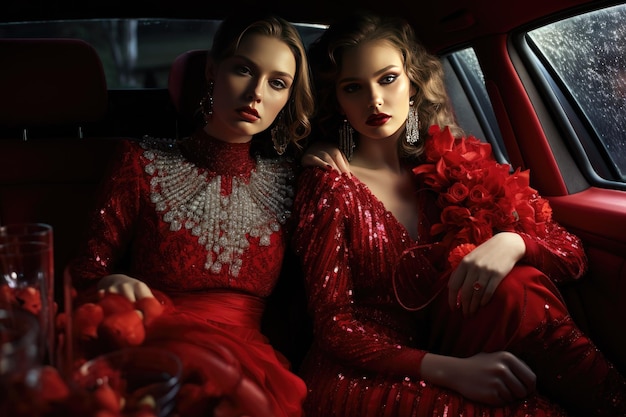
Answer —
(479, 230)
(479, 194)
(486, 216)
(456, 172)
(456, 193)
(456, 215)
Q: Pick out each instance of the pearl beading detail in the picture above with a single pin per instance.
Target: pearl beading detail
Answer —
(187, 198)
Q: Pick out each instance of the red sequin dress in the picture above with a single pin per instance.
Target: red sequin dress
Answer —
(201, 224)
(367, 350)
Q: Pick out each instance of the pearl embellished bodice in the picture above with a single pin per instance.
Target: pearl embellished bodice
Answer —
(194, 215)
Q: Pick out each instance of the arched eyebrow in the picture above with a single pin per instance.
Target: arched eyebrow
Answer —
(256, 67)
(377, 74)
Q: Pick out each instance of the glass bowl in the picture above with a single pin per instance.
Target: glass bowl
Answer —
(139, 376)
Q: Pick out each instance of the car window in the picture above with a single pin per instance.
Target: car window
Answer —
(136, 53)
(465, 84)
(586, 55)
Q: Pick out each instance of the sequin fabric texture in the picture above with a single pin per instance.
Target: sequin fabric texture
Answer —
(367, 351)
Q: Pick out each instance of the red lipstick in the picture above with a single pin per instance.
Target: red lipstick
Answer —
(377, 119)
(248, 114)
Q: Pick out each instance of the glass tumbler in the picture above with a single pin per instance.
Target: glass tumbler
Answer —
(24, 278)
(38, 232)
(20, 362)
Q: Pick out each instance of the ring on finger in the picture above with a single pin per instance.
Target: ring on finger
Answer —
(477, 286)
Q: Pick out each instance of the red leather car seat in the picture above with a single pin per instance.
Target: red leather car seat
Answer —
(51, 92)
(50, 82)
(187, 86)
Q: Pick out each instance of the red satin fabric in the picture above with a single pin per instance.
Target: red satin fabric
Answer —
(219, 306)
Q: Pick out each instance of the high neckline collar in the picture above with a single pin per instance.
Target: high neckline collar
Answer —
(223, 158)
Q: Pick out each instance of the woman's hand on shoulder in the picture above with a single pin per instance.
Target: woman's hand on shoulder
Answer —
(324, 154)
(496, 378)
(474, 281)
(129, 287)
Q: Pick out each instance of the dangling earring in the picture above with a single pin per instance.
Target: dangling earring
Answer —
(280, 135)
(412, 125)
(206, 104)
(346, 139)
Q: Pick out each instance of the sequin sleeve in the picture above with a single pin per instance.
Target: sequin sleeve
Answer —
(552, 249)
(111, 223)
(355, 333)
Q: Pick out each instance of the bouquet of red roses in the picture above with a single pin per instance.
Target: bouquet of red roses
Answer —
(477, 195)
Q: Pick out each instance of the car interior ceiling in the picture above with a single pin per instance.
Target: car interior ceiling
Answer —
(439, 24)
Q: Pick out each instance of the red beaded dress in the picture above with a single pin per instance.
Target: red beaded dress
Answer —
(367, 349)
(201, 222)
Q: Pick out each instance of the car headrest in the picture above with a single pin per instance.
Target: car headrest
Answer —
(187, 82)
(50, 82)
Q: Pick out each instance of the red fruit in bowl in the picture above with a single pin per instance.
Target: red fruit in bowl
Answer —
(192, 401)
(7, 297)
(29, 299)
(138, 405)
(150, 307)
(53, 387)
(114, 303)
(87, 318)
(60, 321)
(105, 413)
(142, 411)
(106, 398)
(122, 329)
